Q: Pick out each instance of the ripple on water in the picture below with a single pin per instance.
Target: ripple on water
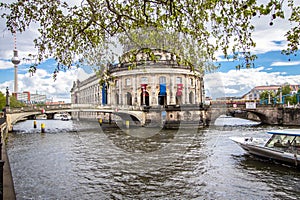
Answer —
(78, 160)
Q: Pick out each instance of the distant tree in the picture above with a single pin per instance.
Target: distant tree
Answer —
(68, 31)
(286, 92)
(286, 89)
(265, 95)
(297, 96)
(2, 101)
(14, 103)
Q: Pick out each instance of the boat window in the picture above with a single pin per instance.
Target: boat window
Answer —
(287, 141)
(280, 141)
(296, 141)
(275, 140)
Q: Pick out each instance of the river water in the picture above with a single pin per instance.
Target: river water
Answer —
(80, 160)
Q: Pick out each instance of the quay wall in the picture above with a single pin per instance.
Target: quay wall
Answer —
(7, 186)
(169, 118)
(289, 116)
(176, 118)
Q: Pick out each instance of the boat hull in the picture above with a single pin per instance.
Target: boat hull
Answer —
(292, 158)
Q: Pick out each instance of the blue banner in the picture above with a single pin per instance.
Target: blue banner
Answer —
(104, 95)
(162, 89)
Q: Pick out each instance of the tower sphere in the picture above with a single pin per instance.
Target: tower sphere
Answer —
(15, 60)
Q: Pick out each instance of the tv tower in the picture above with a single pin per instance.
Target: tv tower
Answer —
(15, 60)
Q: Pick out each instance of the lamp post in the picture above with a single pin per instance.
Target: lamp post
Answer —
(7, 97)
(6, 109)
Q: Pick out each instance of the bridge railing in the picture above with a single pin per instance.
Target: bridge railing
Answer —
(39, 108)
(75, 106)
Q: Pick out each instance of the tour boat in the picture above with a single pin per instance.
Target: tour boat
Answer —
(283, 146)
(62, 116)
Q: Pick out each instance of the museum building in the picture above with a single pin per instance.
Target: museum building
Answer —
(158, 82)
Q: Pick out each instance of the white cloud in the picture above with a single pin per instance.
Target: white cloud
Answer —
(6, 64)
(82, 75)
(43, 83)
(239, 82)
(291, 63)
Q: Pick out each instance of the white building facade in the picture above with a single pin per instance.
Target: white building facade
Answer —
(153, 83)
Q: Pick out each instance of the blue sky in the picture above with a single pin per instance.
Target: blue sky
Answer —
(271, 67)
(272, 61)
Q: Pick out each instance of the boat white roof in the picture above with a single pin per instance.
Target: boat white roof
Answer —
(292, 132)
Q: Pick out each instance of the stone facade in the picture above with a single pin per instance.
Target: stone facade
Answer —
(157, 83)
(160, 88)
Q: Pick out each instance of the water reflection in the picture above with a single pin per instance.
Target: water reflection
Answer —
(79, 160)
(140, 143)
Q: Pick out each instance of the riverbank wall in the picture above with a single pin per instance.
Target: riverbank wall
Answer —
(8, 191)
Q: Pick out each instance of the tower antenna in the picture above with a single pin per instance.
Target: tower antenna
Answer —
(15, 60)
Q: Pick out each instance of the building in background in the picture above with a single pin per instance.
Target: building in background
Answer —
(254, 94)
(28, 98)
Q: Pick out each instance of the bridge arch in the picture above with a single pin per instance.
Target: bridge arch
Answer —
(214, 113)
(134, 120)
(264, 119)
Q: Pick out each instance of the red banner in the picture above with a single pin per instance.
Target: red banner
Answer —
(179, 89)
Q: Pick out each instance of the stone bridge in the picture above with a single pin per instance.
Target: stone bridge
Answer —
(267, 114)
(277, 115)
(15, 115)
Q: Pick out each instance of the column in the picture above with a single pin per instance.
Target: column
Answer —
(186, 90)
(172, 100)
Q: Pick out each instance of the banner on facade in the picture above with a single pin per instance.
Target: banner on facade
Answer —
(179, 89)
(162, 90)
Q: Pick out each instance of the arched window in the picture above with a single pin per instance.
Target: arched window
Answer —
(145, 102)
(162, 98)
(129, 99)
(117, 99)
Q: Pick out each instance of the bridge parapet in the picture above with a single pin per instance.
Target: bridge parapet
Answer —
(75, 106)
(35, 108)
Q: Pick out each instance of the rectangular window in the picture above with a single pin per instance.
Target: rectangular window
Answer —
(128, 81)
(191, 81)
(178, 80)
(162, 80)
(144, 80)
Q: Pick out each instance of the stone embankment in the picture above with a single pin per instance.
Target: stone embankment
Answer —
(8, 184)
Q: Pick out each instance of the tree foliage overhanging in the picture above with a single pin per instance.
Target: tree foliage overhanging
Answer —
(68, 30)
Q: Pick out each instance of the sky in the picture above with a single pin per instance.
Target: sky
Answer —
(270, 68)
